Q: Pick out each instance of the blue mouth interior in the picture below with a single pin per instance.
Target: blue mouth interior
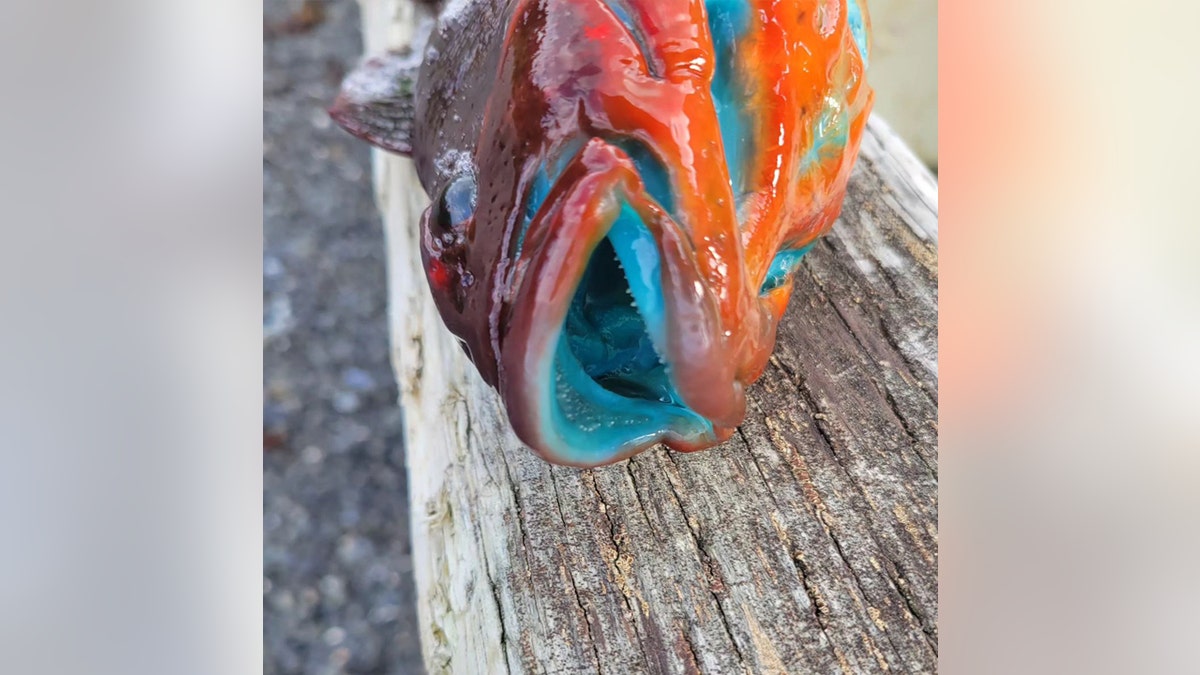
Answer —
(605, 326)
(612, 389)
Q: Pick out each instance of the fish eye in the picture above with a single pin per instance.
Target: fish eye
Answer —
(457, 202)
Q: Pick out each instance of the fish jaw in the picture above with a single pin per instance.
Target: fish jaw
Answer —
(611, 345)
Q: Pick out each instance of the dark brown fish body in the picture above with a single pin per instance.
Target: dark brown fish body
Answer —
(620, 190)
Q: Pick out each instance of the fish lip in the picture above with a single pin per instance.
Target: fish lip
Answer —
(542, 290)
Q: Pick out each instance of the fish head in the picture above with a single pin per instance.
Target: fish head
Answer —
(621, 192)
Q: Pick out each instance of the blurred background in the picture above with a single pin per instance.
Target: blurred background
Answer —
(338, 593)
(904, 70)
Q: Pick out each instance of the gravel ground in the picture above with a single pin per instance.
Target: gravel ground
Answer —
(338, 593)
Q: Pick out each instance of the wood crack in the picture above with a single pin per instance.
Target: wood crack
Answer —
(692, 665)
(928, 628)
(763, 476)
(819, 607)
(614, 538)
(636, 493)
(912, 365)
(894, 406)
(836, 309)
(500, 613)
(884, 391)
(824, 519)
(587, 617)
(515, 491)
(714, 578)
(820, 417)
(879, 321)
(837, 545)
(488, 563)
(620, 556)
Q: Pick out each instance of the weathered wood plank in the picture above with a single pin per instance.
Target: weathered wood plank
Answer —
(807, 543)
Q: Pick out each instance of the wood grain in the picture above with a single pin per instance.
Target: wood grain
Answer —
(806, 544)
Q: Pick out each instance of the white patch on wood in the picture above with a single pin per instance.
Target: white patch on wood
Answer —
(885, 254)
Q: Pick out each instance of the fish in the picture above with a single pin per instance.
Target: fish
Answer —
(620, 194)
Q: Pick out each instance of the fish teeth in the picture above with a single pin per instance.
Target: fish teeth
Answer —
(661, 357)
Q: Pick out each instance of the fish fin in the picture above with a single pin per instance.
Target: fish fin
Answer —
(377, 101)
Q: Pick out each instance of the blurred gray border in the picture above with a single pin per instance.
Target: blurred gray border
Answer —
(338, 573)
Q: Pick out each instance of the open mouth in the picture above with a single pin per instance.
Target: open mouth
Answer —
(607, 334)
(592, 361)
(613, 391)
